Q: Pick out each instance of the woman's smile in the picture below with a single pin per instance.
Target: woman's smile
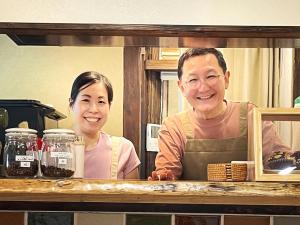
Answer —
(92, 119)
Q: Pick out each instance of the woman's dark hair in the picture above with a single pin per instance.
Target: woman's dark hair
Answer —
(198, 52)
(86, 79)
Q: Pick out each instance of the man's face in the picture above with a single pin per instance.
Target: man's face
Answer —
(203, 83)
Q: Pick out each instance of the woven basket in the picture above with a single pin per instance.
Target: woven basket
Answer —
(226, 172)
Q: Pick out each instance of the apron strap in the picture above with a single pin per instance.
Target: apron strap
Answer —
(244, 118)
(115, 150)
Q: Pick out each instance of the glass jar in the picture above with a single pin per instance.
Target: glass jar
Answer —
(58, 158)
(20, 158)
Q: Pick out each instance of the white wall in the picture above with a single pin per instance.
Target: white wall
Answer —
(190, 12)
(47, 74)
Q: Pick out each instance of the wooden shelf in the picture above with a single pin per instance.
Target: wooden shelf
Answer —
(169, 65)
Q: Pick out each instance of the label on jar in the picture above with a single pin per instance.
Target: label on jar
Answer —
(25, 164)
(62, 161)
(67, 155)
(29, 158)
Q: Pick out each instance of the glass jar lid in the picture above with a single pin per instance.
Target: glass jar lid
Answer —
(20, 132)
(59, 133)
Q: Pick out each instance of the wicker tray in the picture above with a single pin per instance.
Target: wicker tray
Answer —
(226, 172)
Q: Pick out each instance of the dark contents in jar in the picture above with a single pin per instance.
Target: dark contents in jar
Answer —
(15, 170)
(13, 150)
(52, 171)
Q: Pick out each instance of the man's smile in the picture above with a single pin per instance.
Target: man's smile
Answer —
(206, 97)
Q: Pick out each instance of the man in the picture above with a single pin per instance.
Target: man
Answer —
(214, 130)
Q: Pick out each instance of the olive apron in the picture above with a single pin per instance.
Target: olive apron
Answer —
(200, 152)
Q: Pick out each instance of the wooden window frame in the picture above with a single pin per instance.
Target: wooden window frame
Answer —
(270, 114)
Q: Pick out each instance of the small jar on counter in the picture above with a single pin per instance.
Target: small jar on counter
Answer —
(20, 157)
(58, 159)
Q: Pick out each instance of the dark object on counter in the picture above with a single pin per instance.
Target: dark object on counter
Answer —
(20, 153)
(3, 119)
(280, 160)
(3, 126)
(296, 156)
(56, 172)
(31, 111)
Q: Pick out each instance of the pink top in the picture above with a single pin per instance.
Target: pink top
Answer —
(172, 139)
(97, 161)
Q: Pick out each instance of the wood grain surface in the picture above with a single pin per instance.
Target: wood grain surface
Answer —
(175, 192)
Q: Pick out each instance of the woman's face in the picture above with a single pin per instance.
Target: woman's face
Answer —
(203, 83)
(91, 109)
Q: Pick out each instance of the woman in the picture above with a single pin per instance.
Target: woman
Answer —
(106, 157)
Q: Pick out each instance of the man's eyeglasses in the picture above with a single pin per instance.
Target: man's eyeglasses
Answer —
(210, 79)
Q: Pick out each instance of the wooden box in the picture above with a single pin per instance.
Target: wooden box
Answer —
(271, 114)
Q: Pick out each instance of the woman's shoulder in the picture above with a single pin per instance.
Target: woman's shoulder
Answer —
(116, 139)
(127, 150)
(122, 141)
(126, 142)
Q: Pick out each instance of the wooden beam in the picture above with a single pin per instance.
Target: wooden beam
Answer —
(148, 35)
(220, 31)
(133, 98)
(169, 65)
(296, 86)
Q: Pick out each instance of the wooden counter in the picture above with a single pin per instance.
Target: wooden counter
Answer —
(146, 196)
